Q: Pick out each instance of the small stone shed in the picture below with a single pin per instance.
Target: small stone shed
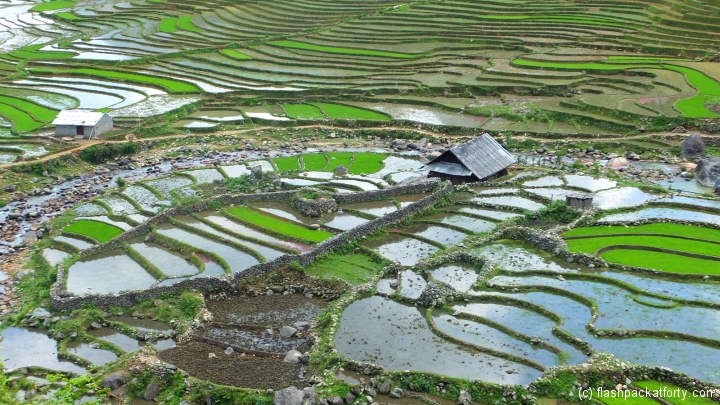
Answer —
(82, 123)
(479, 159)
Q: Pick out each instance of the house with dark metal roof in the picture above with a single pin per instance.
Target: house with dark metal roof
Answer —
(477, 160)
(82, 123)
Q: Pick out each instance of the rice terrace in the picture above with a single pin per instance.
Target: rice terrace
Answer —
(319, 202)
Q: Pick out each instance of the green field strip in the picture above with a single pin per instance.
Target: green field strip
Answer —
(366, 163)
(688, 231)
(185, 23)
(684, 398)
(21, 120)
(662, 261)
(339, 159)
(97, 230)
(278, 225)
(69, 16)
(174, 86)
(168, 25)
(53, 5)
(354, 268)
(348, 51)
(232, 53)
(34, 52)
(592, 245)
(303, 112)
(347, 112)
(708, 90)
(578, 65)
(284, 164)
(314, 162)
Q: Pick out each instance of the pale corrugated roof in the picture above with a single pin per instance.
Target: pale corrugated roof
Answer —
(78, 117)
(482, 156)
(454, 169)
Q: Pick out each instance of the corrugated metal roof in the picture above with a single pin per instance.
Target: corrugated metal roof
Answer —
(454, 169)
(78, 117)
(482, 156)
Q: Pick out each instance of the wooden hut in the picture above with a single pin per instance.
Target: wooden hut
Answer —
(477, 160)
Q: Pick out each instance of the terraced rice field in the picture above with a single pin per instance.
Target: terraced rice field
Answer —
(636, 62)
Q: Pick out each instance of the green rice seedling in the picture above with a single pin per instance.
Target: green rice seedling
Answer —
(21, 120)
(662, 261)
(339, 159)
(185, 22)
(53, 5)
(355, 268)
(314, 162)
(278, 225)
(348, 51)
(168, 25)
(234, 54)
(591, 245)
(97, 230)
(303, 112)
(287, 163)
(690, 231)
(367, 163)
(352, 113)
(174, 86)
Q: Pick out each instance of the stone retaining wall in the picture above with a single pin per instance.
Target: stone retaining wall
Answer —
(227, 281)
(420, 186)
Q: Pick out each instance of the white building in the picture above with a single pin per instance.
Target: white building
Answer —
(82, 123)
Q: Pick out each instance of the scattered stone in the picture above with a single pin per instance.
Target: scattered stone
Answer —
(293, 356)
(350, 398)
(692, 146)
(707, 171)
(151, 392)
(229, 350)
(397, 393)
(340, 170)
(384, 387)
(288, 396)
(288, 331)
(115, 380)
(464, 398)
(335, 400)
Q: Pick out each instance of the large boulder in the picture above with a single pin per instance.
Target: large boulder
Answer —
(707, 171)
(692, 146)
(115, 380)
(288, 396)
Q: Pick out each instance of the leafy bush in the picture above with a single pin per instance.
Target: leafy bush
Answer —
(102, 153)
(556, 211)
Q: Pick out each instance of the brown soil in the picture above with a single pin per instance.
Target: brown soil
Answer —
(267, 310)
(234, 369)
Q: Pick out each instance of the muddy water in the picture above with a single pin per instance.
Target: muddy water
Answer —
(205, 176)
(470, 224)
(461, 278)
(384, 332)
(664, 213)
(107, 273)
(165, 184)
(267, 252)
(283, 210)
(671, 289)
(142, 196)
(516, 258)
(237, 260)
(394, 164)
(621, 198)
(343, 221)
(588, 183)
(300, 182)
(90, 209)
(411, 284)
(523, 321)
(118, 205)
(486, 213)
(260, 341)
(218, 115)
(170, 263)
(22, 347)
(78, 243)
(266, 310)
(486, 336)
(143, 325)
(407, 199)
(377, 208)
(362, 185)
(236, 170)
(496, 191)
(694, 359)
(95, 356)
(548, 181)
(54, 256)
(511, 202)
(250, 232)
(126, 343)
(440, 234)
(404, 250)
(552, 193)
(696, 202)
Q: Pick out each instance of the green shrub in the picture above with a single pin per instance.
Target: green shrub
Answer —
(556, 211)
(102, 153)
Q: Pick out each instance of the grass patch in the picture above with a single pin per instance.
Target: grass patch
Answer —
(689, 231)
(303, 112)
(676, 400)
(278, 225)
(351, 113)
(21, 120)
(234, 54)
(339, 159)
(185, 22)
(68, 16)
(39, 112)
(591, 245)
(708, 90)
(367, 163)
(168, 25)
(53, 5)
(99, 231)
(314, 162)
(347, 51)
(577, 66)
(354, 268)
(34, 52)
(285, 164)
(174, 86)
(662, 261)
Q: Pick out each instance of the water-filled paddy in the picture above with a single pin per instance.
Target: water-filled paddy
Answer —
(404, 250)
(107, 273)
(95, 356)
(461, 278)
(170, 263)
(663, 213)
(510, 202)
(622, 197)
(439, 234)
(32, 347)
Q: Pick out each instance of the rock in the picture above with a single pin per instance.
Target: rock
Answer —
(310, 395)
(340, 170)
(24, 273)
(301, 325)
(464, 398)
(151, 391)
(229, 350)
(707, 171)
(397, 393)
(287, 331)
(29, 238)
(10, 188)
(288, 396)
(692, 146)
(277, 288)
(115, 380)
(617, 162)
(40, 312)
(102, 170)
(679, 130)
(384, 387)
(350, 398)
(95, 325)
(335, 400)
(314, 227)
(292, 356)
(399, 144)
